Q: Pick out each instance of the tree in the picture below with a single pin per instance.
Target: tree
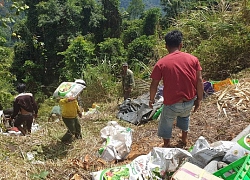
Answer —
(10, 13)
(10, 10)
(49, 27)
(79, 53)
(7, 79)
(132, 29)
(141, 49)
(113, 21)
(171, 7)
(151, 21)
(135, 8)
(112, 50)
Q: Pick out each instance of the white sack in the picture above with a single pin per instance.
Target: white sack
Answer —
(68, 89)
(203, 152)
(118, 142)
(240, 149)
(151, 166)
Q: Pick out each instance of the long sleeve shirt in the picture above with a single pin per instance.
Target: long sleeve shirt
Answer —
(24, 103)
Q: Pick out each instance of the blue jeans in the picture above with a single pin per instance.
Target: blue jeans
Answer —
(169, 113)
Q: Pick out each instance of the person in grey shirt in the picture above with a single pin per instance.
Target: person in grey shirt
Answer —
(128, 81)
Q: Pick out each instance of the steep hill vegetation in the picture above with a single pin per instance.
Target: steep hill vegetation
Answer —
(148, 3)
(60, 41)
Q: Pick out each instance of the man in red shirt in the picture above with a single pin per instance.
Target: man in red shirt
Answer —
(183, 87)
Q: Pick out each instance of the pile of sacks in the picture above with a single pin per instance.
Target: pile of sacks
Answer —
(162, 163)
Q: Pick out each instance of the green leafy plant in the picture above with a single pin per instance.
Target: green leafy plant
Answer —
(6, 86)
(42, 175)
(76, 57)
(142, 49)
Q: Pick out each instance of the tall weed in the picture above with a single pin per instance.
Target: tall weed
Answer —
(102, 85)
(219, 38)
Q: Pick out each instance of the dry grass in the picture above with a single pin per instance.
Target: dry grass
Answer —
(54, 160)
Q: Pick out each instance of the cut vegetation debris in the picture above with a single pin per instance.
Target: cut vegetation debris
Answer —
(234, 97)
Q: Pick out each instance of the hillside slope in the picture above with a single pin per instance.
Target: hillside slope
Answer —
(54, 160)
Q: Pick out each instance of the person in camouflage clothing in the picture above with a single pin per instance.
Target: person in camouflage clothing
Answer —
(128, 81)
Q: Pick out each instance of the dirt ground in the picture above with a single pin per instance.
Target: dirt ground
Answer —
(207, 122)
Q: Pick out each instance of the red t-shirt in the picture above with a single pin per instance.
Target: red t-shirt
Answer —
(178, 72)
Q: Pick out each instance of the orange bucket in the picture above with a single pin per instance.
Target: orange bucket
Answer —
(219, 85)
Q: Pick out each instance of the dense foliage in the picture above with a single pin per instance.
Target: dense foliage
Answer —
(6, 87)
(148, 3)
(60, 40)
